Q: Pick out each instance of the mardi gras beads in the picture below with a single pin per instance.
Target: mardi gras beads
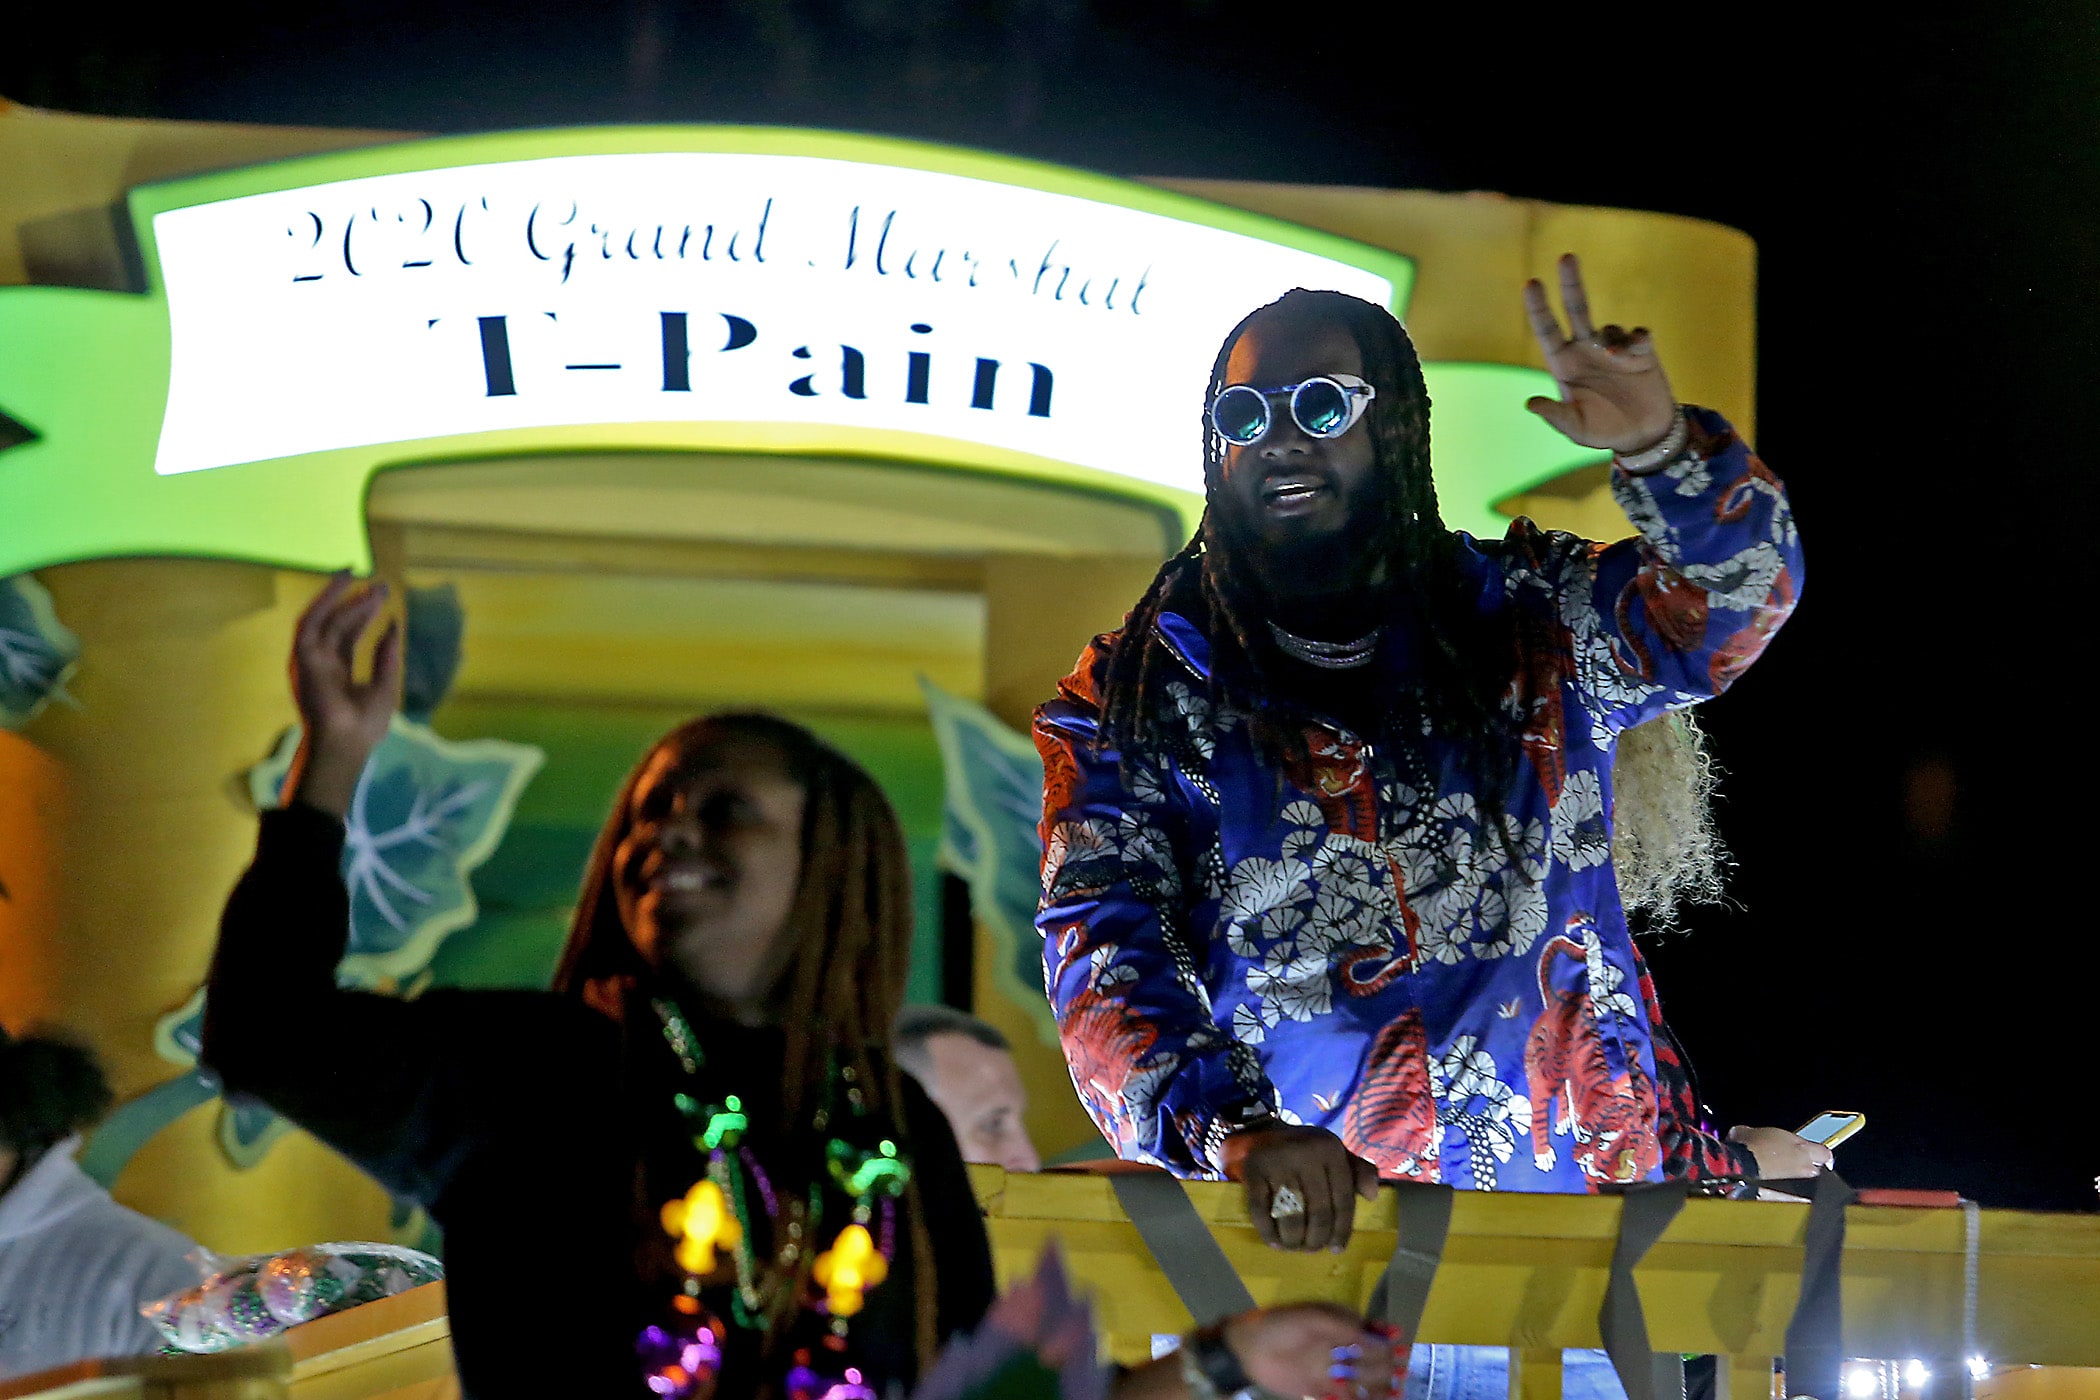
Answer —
(702, 1223)
(682, 1362)
(823, 1374)
(854, 1264)
(715, 1215)
(864, 1174)
(848, 1269)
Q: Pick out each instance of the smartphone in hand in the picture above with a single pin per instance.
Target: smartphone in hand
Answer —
(1832, 1126)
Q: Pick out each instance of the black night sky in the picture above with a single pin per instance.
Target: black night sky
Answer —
(1913, 932)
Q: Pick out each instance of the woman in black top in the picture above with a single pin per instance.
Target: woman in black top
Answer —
(720, 1016)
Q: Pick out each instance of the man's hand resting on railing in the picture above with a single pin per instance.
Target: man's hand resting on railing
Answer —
(1302, 1184)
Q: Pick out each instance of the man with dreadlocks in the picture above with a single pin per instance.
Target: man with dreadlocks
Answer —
(1329, 889)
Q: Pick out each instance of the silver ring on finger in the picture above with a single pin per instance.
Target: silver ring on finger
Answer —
(1286, 1204)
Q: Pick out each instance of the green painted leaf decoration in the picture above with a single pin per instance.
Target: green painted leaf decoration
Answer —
(247, 1131)
(993, 797)
(247, 1128)
(138, 1120)
(427, 812)
(37, 651)
(179, 1035)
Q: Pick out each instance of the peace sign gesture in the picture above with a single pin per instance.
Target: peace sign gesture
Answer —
(1613, 393)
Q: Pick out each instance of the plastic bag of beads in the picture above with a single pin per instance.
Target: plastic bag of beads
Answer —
(243, 1299)
(223, 1311)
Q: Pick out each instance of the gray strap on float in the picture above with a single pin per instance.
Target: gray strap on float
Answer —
(1971, 1247)
(1815, 1338)
(1646, 1211)
(1424, 1222)
(1202, 1277)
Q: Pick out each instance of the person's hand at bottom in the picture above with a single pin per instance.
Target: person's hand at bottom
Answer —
(1312, 1349)
(1302, 1184)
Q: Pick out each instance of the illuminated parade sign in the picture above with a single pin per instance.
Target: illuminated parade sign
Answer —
(706, 287)
(308, 324)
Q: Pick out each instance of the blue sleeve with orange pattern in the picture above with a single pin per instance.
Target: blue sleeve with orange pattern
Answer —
(1673, 614)
(1147, 1057)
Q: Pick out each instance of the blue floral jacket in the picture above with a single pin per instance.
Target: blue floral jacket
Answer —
(1344, 943)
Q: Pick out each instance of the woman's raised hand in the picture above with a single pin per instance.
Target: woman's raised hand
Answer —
(1613, 392)
(344, 718)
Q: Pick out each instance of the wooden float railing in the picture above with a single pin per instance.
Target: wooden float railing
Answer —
(1529, 1271)
(399, 1348)
(1526, 1271)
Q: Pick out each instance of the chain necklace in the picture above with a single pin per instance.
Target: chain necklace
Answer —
(1328, 656)
(683, 1361)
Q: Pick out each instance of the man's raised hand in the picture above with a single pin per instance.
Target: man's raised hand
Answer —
(1613, 392)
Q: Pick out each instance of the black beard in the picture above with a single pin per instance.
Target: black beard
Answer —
(1313, 567)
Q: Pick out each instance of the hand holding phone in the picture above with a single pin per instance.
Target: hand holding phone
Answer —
(1832, 1126)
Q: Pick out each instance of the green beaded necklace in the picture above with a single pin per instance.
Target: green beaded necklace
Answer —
(864, 1175)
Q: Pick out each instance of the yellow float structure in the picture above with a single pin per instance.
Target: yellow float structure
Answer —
(691, 418)
(1522, 1270)
(619, 570)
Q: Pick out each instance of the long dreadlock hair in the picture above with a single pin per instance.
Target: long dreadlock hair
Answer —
(850, 929)
(1466, 654)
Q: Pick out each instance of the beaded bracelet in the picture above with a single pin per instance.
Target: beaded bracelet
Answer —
(1673, 443)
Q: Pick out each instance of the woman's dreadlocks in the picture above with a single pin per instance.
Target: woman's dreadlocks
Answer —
(850, 927)
(1466, 654)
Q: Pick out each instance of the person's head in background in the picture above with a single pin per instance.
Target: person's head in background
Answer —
(49, 1090)
(968, 1068)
